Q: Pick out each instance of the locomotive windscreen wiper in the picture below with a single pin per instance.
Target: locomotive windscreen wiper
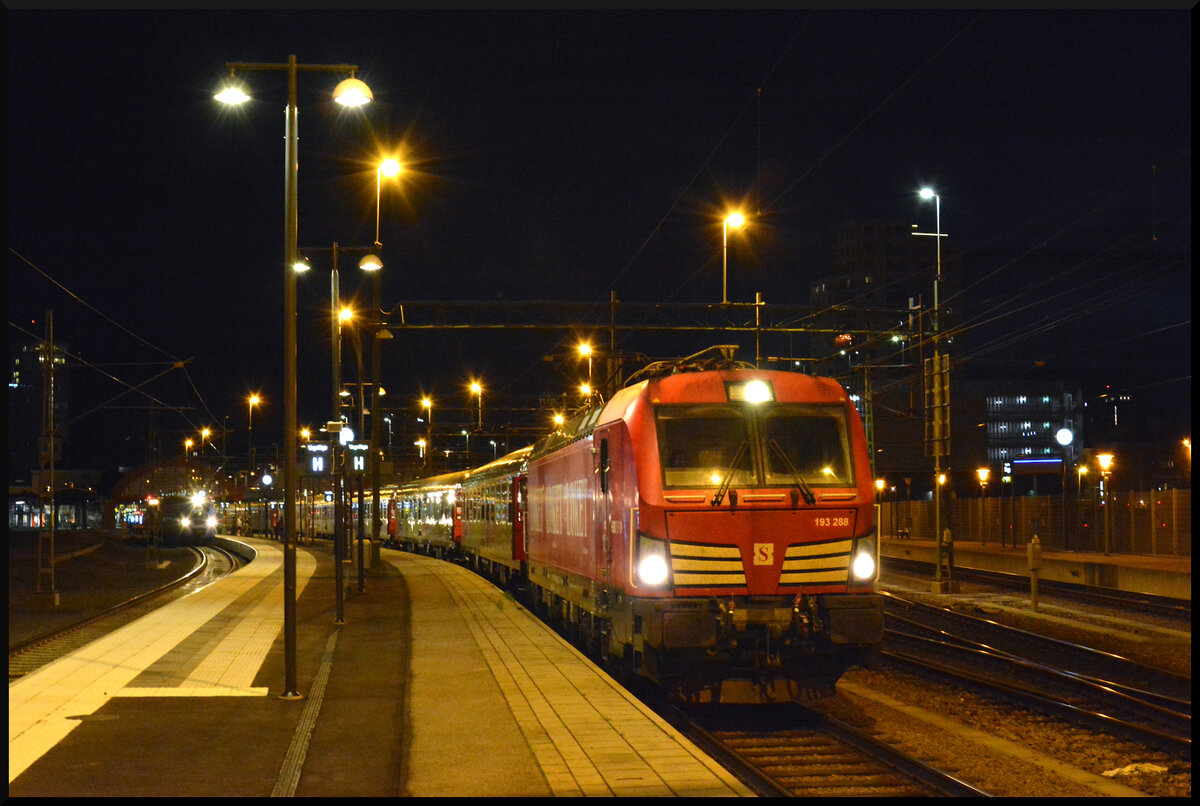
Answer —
(804, 489)
(719, 496)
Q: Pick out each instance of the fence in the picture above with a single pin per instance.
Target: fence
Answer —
(1155, 522)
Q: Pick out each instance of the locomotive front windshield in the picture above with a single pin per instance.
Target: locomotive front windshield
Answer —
(771, 445)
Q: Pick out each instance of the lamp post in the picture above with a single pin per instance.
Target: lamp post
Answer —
(940, 420)
(339, 316)
(1065, 437)
(389, 167)
(983, 474)
(879, 485)
(1105, 461)
(477, 390)
(734, 220)
(374, 266)
(585, 350)
(350, 92)
(251, 402)
(427, 404)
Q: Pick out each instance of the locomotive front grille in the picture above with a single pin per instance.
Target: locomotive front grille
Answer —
(703, 565)
(816, 563)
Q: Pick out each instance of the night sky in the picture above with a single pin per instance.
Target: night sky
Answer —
(564, 155)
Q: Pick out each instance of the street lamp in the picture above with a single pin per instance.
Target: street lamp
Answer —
(251, 402)
(585, 350)
(938, 445)
(983, 474)
(350, 92)
(477, 390)
(389, 167)
(734, 220)
(340, 316)
(427, 404)
(1105, 460)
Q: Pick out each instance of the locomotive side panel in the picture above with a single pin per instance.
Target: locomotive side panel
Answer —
(562, 489)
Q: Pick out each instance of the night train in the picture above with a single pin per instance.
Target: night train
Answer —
(187, 519)
(704, 524)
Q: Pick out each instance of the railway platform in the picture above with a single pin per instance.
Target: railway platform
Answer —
(436, 684)
(1131, 573)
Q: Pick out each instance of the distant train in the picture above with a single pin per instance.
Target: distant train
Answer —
(187, 519)
(710, 521)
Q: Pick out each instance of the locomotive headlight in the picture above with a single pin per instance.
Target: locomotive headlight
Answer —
(864, 566)
(212, 521)
(185, 521)
(651, 565)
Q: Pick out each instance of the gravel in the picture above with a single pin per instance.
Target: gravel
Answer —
(1024, 763)
(94, 571)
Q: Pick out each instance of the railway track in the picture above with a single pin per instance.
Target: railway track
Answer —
(1174, 609)
(1098, 689)
(787, 749)
(27, 656)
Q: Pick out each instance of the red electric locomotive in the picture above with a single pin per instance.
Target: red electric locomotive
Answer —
(711, 524)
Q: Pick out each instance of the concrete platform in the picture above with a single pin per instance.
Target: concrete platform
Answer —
(437, 684)
(1134, 573)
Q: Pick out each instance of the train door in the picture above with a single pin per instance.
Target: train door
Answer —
(609, 517)
(518, 519)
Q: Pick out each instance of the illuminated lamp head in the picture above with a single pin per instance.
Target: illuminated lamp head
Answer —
(757, 392)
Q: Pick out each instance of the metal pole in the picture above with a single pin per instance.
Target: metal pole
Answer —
(291, 431)
(937, 450)
(290, 476)
(339, 516)
(724, 259)
(376, 403)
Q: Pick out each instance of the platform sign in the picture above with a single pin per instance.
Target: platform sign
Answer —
(318, 458)
(356, 458)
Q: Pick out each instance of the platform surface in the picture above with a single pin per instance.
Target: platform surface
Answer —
(1156, 575)
(437, 683)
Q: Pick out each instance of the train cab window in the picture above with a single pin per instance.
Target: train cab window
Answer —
(815, 441)
(698, 445)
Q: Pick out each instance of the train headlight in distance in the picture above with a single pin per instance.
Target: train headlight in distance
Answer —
(185, 521)
(652, 569)
(212, 522)
(754, 391)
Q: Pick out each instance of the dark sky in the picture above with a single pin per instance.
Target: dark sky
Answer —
(561, 155)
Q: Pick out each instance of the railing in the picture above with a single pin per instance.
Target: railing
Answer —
(1154, 522)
